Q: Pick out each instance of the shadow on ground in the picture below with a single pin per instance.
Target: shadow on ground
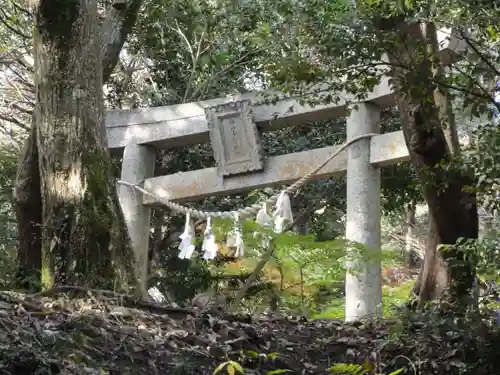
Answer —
(73, 331)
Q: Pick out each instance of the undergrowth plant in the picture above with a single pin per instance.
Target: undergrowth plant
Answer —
(307, 274)
(355, 369)
(233, 367)
(304, 276)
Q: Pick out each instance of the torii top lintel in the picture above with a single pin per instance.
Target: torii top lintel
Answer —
(186, 124)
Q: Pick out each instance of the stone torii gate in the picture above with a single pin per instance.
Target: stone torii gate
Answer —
(231, 125)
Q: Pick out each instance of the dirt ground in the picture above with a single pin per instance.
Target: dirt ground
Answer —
(74, 331)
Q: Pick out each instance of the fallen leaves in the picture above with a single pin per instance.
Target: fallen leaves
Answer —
(103, 333)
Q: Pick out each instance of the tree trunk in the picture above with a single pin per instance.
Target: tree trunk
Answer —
(433, 275)
(409, 235)
(115, 29)
(434, 268)
(28, 207)
(452, 210)
(84, 240)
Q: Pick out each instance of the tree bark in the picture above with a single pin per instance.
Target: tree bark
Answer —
(28, 208)
(433, 269)
(115, 29)
(409, 235)
(27, 195)
(84, 241)
(433, 278)
(423, 110)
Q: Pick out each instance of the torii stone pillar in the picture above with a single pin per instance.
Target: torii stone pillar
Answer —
(363, 289)
(138, 164)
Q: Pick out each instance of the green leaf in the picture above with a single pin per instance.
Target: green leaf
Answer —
(396, 372)
(280, 371)
(272, 356)
(237, 366)
(492, 33)
(220, 367)
(347, 368)
(252, 354)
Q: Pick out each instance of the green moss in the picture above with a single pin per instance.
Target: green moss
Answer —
(47, 276)
(94, 250)
(335, 308)
(390, 296)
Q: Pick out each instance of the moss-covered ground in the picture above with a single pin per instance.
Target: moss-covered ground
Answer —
(397, 283)
(391, 297)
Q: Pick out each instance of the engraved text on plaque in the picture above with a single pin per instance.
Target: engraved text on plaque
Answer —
(235, 139)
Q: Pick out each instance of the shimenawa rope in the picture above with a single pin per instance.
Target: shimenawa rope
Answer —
(252, 210)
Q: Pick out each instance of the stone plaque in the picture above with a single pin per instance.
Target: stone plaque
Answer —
(235, 138)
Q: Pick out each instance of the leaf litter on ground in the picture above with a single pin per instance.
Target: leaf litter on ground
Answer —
(77, 331)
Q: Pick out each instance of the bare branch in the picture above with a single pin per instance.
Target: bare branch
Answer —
(115, 29)
(486, 95)
(21, 9)
(481, 56)
(4, 21)
(15, 121)
(22, 109)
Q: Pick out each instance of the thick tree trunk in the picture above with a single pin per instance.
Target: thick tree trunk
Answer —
(433, 275)
(452, 210)
(433, 270)
(84, 240)
(28, 207)
(27, 197)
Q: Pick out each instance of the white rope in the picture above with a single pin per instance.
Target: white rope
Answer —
(248, 211)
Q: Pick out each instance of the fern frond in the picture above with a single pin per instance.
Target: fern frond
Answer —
(348, 369)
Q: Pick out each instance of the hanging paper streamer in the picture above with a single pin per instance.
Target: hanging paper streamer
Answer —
(264, 219)
(231, 239)
(209, 246)
(238, 237)
(235, 238)
(187, 240)
(283, 213)
(240, 246)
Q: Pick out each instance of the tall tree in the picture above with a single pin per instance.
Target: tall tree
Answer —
(432, 141)
(70, 222)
